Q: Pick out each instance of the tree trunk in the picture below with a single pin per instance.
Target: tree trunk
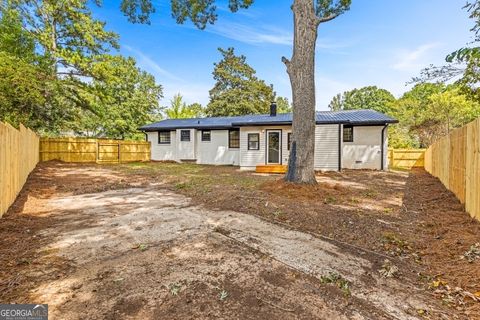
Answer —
(301, 70)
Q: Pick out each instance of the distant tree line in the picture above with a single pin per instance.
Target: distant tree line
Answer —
(425, 113)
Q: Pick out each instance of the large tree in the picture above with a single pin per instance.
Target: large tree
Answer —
(125, 98)
(237, 90)
(307, 16)
(369, 97)
(65, 55)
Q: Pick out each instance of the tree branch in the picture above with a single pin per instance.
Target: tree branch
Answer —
(327, 18)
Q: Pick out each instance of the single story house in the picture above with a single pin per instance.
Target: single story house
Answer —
(353, 139)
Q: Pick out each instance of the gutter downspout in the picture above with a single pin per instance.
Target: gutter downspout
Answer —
(382, 165)
(339, 147)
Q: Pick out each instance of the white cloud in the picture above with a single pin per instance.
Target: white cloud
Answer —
(413, 60)
(151, 66)
(250, 35)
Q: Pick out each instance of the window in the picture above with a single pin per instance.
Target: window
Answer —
(347, 133)
(206, 135)
(163, 137)
(184, 135)
(253, 141)
(289, 140)
(234, 138)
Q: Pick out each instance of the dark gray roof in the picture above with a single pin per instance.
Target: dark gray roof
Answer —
(355, 117)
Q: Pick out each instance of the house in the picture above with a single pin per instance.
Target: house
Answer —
(353, 139)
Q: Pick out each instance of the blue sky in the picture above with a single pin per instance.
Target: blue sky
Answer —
(377, 42)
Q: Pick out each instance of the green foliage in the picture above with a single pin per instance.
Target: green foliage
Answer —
(60, 75)
(283, 105)
(429, 111)
(125, 99)
(329, 9)
(237, 90)
(364, 98)
(180, 110)
(199, 12)
(14, 40)
(425, 113)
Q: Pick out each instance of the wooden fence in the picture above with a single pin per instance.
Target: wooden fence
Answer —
(93, 150)
(455, 160)
(18, 157)
(406, 158)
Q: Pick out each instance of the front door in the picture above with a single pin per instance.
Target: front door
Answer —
(274, 146)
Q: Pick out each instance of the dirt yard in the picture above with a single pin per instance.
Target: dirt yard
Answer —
(171, 241)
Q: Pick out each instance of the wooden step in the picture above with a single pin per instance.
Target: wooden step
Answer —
(271, 168)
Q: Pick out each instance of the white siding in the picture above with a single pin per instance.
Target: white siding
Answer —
(186, 149)
(365, 150)
(249, 159)
(216, 150)
(326, 147)
(162, 152)
(285, 151)
(385, 150)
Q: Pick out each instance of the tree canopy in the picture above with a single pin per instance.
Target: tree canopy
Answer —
(66, 78)
(364, 98)
(237, 90)
(181, 110)
(425, 113)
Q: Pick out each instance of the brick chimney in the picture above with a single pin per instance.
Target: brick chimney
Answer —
(273, 109)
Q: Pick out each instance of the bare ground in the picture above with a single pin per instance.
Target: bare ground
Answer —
(184, 241)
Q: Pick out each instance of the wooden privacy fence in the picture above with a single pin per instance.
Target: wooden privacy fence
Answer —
(93, 150)
(455, 160)
(406, 158)
(18, 157)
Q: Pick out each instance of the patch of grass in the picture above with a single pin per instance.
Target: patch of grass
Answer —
(141, 246)
(277, 213)
(330, 200)
(388, 210)
(174, 288)
(183, 186)
(388, 269)
(354, 200)
(372, 194)
(473, 253)
(223, 295)
(394, 245)
(336, 279)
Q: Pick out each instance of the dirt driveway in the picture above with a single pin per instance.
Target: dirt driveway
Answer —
(99, 242)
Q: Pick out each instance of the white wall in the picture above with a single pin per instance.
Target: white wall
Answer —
(186, 149)
(365, 150)
(162, 152)
(363, 153)
(216, 150)
(249, 159)
(326, 147)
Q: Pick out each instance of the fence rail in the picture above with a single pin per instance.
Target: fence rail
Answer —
(18, 157)
(93, 150)
(455, 160)
(406, 158)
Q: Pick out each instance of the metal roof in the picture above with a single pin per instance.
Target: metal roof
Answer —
(354, 117)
